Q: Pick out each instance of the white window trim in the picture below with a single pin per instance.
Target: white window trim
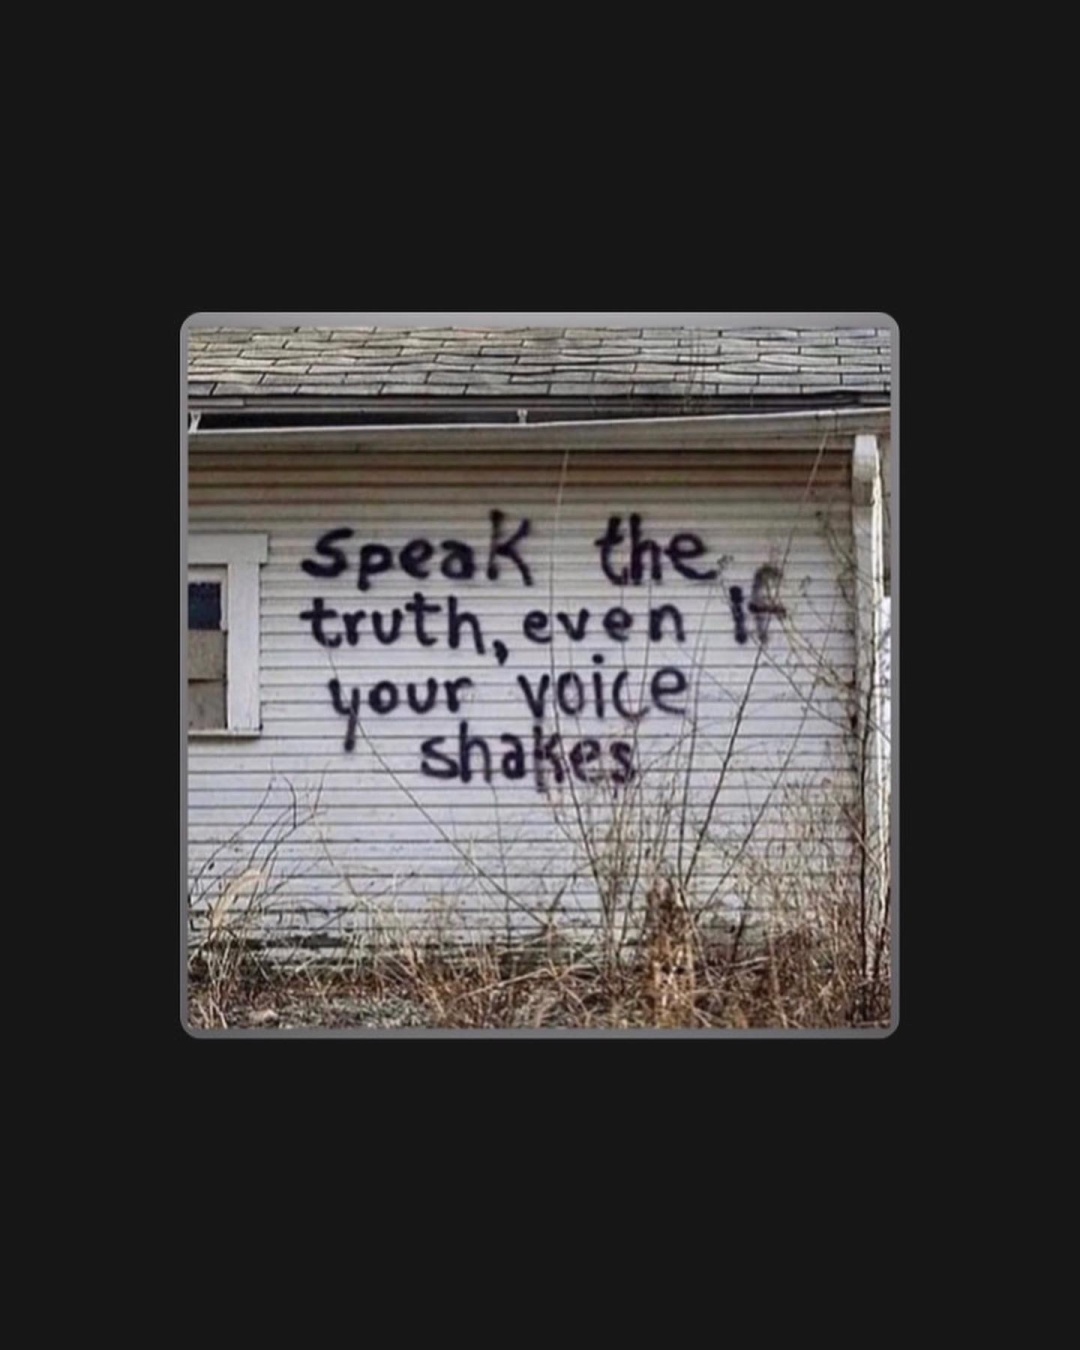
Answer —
(241, 555)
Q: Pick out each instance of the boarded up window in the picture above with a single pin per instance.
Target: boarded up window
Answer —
(206, 656)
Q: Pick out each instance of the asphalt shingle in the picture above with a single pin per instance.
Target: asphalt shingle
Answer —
(658, 363)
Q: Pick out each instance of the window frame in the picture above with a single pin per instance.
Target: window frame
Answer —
(241, 555)
(217, 576)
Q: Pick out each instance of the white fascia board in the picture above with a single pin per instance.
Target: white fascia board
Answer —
(617, 433)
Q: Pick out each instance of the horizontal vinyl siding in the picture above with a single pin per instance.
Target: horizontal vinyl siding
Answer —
(323, 841)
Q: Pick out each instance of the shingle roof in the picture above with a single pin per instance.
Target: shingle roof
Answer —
(249, 368)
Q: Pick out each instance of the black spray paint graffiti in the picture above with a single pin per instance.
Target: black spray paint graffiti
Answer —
(458, 562)
(763, 604)
(680, 549)
(549, 754)
(567, 693)
(385, 697)
(388, 629)
(617, 623)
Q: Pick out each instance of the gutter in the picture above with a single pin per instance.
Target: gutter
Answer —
(618, 433)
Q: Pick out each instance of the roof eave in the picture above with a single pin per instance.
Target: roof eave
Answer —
(699, 431)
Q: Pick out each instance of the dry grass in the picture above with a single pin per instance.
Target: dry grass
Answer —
(678, 975)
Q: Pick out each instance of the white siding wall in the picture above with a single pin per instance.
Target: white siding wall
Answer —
(324, 839)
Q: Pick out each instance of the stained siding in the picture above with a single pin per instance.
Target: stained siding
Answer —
(327, 839)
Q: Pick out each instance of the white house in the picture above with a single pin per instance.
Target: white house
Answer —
(496, 630)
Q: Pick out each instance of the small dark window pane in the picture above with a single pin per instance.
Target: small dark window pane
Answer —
(204, 604)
